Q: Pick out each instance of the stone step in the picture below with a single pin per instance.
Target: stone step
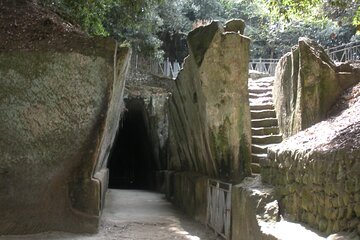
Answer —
(264, 130)
(265, 122)
(260, 149)
(260, 95)
(262, 80)
(260, 87)
(258, 157)
(260, 90)
(255, 168)
(260, 99)
(255, 81)
(257, 114)
(261, 106)
(266, 139)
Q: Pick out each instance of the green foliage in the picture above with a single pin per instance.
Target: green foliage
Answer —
(171, 12)
(273, 25)
(90, 14)
(203, 9)
(341, 10)
(356, 20)
(287, 9)
(134, 21)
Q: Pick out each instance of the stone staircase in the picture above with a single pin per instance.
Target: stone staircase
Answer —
(264, 124)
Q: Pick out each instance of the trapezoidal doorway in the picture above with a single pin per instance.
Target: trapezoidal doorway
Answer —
(131, 162)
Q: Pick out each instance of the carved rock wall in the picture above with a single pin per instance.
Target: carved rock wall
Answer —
(59, 112)
(209, 110)
(307, 84)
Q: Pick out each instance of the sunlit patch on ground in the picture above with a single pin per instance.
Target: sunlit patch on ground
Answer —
(284, 229)
(181, 232)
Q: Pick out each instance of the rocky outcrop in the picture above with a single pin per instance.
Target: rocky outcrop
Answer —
(316, 172)
(307, 84)
(209, 110)
(59, 114)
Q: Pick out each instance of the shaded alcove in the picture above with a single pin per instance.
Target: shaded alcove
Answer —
(131, 162)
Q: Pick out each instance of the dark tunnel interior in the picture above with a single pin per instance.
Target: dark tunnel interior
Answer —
(131, 164)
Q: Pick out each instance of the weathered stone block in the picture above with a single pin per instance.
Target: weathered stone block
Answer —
(305, 88)
(357, 210)
(322, 224)
(349, 212)
(209, 110)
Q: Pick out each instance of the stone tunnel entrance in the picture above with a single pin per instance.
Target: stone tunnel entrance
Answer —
(131, 163)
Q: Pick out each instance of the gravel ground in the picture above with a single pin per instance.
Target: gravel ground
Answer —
(136, 215)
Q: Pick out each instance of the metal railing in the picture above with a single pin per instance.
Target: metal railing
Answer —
(342, 53)
(149, 65)
(264, 65)
(219, 207)
(170, 69)
(345, 52)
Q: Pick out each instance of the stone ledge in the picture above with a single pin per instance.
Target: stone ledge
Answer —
(256, 215)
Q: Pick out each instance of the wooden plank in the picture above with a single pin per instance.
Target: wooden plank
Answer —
(219, 207)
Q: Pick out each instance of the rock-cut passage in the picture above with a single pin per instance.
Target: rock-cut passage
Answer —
(131, 163)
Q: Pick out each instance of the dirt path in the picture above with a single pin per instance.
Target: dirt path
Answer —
(136, 215)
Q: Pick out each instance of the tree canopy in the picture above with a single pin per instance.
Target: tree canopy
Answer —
(273, 25)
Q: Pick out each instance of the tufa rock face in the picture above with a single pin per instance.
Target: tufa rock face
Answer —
(306, 86)
(316, 172)
(59, 115)
(201, 39)
(209, 110)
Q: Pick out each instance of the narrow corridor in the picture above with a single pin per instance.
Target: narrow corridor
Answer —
(136, 215)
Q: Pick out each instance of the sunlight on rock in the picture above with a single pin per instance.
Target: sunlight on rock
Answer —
(284, 229)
